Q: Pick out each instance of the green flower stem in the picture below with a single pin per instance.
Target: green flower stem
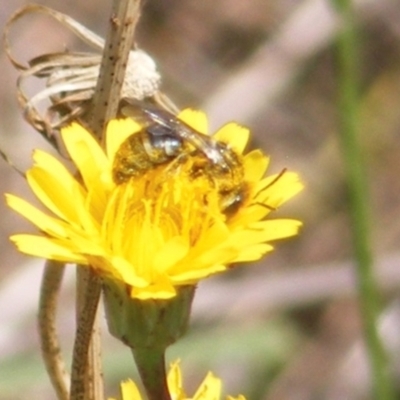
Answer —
(148, 327)
(358, 197)
(151, 365)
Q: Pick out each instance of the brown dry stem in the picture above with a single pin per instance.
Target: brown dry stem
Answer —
(124, 16)
(49, 343)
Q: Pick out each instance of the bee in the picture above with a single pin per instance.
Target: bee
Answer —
(165, 139)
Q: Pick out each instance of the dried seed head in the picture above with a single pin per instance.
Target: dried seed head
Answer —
(71, 77)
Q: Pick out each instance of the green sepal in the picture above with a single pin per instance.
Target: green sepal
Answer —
(146, 323)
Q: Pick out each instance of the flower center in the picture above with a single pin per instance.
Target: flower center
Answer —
(167, 203)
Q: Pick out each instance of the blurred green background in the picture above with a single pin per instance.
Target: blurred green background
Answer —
(289, 326)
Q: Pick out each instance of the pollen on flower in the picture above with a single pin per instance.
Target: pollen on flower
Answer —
(157, 214)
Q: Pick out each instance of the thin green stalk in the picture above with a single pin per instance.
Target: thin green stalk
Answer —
(358, 197)
(151, 365)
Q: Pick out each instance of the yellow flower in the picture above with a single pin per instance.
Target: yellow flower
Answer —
(170, 225)
(209, 389)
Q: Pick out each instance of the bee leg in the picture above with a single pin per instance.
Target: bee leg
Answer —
(175, 163)
(268, 207)
(279, 176)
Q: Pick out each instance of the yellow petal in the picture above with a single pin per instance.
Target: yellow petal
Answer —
(210, 388)
(255, 165)
(46, 248)
(49, 178)
(277, 189)
(46, 161)
(171, 253)
(118, 130)
(85, 152)
(57, 196)
(196, 119)
(44, 222)
(235, 135)
(253, 252)
(273, 229)
(130, 391)
(162, 288)
(191, 276)
(211, 251)
(124, 270)
(174, 380)
(212, 238)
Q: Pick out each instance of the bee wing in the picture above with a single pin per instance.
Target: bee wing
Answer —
(156, 117)
(145, 113)
(199, 141)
